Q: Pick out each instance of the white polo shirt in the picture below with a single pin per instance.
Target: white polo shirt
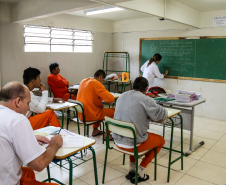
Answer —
(18, 145)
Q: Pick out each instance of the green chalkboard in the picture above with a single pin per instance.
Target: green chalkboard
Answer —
(194, 58)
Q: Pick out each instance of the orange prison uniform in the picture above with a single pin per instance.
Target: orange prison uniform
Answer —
(59, 87)
(28, 178)
(42, 120)
(91, 93)
(154, 140)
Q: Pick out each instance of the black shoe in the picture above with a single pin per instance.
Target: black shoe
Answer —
(145, 178)
(130, 175)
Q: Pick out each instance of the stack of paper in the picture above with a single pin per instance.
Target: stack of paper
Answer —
(185, 96)
(197, 94)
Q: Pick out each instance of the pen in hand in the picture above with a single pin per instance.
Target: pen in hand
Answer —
(59, 131)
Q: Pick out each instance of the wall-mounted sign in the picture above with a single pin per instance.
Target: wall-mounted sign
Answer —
(219, 21)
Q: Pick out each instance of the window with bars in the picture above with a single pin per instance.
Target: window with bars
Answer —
(52, 39)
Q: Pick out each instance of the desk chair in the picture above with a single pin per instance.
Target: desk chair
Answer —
(50, 92)
(80, 109)
(128, 130)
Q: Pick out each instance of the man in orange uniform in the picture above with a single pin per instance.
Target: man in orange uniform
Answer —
(58, 84)
(91, 93)
(38, 104)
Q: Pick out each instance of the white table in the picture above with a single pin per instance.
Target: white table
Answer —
(116, 82)
(61, 107)
(66, 153)
(172, 113)
(188, 113)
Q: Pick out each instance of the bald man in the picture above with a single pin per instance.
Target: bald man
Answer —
(18, 145)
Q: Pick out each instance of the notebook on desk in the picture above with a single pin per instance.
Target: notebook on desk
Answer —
(70, 139)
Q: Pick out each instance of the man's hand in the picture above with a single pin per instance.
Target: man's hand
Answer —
(57, 140)
(42, 139)
(58, 100)
(43, 160)
(42, 87)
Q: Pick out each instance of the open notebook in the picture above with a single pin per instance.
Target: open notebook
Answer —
(70, 139)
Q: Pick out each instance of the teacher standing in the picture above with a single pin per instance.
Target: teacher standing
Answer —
(150, 69)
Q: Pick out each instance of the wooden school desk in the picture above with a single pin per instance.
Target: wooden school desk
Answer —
(171, 123)
(116, 96)
(67, 153)
(61, 107)
(116, 82)
(73, 89)
(188, 113)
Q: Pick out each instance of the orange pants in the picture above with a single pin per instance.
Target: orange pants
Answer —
(28, 177)
(105, 112)
(67, 96)
(154, 140)
(42, 120)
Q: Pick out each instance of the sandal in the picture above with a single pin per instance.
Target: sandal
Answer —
(130, 175)
(99, 133)
(145, 178)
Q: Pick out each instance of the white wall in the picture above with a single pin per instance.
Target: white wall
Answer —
(127, 38)
(74, 66)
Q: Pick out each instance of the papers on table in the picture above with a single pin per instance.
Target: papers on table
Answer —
(73, 87)
(46, 130)
(70, 139)
(60, 105)
(187, 96)
(116, 95)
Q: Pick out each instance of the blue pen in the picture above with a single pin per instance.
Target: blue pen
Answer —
(59, 131)
(158, 102)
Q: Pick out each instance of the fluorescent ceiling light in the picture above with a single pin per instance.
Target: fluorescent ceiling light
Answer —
(103, 10)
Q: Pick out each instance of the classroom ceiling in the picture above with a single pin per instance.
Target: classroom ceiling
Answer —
(189, 10)
(204, 5)
(198, 5)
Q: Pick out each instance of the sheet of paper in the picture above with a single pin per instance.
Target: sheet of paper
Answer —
(116, 95)
(59, 105)
(46, 130)
(70, 139)
(74, 87)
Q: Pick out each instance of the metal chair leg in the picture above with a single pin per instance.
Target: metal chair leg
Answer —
(94, 165)
(124, 157)
(155, 173)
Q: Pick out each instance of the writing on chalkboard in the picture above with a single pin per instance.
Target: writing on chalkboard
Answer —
(195, 58)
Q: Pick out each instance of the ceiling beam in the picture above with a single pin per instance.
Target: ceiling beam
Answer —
(26, 10)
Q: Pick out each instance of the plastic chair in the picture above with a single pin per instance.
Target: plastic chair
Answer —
(80, 109)
(128, 130)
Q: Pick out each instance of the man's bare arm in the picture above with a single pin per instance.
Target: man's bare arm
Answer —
(42, 161)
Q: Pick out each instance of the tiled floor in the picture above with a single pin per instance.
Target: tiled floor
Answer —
(205, 166)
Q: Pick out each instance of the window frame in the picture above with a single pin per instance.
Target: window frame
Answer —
(77, 39)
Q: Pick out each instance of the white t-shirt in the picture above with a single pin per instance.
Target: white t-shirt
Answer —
(18, 145)
(38, 103)
(150, 72)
